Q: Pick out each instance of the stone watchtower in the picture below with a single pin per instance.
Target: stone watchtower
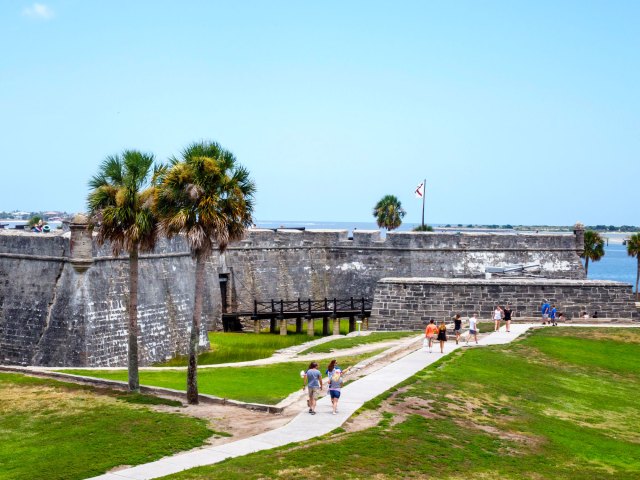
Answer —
(578, 231)
(80, 245)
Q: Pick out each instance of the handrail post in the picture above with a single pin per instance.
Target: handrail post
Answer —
(311, 331)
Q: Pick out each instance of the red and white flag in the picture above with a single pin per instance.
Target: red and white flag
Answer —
(420, 191)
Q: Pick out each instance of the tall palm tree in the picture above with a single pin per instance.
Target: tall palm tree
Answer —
(208, 197)
(593, 248)
(120, 210)
(633, 249)
(388, 212)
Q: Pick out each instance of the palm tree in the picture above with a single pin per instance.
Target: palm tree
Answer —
(389, 212)
(120, 210)
(593, 248)
(633, 249)
(208, 197)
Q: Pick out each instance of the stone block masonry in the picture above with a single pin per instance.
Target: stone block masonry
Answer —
(63, 299)
(61, 307)
(291, 264)
(409, 303)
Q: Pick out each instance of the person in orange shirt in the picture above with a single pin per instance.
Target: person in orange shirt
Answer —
(430, 332)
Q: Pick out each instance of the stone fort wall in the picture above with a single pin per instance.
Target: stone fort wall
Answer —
(54, 314)
(63, 300)
(410, 303)
(291, 264)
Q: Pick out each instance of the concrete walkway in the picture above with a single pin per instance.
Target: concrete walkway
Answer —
(305, 426)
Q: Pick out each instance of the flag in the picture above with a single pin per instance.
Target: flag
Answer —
(420, 191)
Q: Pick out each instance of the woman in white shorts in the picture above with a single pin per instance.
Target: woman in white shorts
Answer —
(497, 316)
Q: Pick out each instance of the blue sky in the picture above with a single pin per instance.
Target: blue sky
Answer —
(514, 112)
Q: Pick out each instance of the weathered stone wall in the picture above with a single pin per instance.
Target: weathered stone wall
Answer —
(315, 264)
(409, 303)
(53, 315)
(63, 300)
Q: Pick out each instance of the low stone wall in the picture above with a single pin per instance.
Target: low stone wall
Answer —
(409, 303)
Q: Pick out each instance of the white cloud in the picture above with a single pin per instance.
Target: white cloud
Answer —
(38, 10)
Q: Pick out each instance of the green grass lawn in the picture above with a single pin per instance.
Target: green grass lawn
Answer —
(56, 430)
(240, 347)
(260, 384)
(342, 343)
(561, 404)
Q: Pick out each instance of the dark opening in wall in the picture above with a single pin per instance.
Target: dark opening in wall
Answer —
(228, 325)
(223, 278)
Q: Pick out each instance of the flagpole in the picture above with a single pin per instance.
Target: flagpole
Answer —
(424, 193)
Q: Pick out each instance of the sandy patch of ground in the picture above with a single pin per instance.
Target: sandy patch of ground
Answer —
(238, 422)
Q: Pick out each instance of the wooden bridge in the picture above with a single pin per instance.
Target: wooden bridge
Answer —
(283, 310)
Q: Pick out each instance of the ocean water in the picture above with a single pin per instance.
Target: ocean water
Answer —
(616, 265)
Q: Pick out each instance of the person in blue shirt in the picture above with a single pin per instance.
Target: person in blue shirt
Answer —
(552, 316)
(545, 310)
(313, 379)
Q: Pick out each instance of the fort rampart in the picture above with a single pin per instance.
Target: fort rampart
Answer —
(291, 264)
(63, 300)
(58, 309)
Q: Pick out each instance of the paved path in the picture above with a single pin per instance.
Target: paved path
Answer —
(305, 426)
(279, 356)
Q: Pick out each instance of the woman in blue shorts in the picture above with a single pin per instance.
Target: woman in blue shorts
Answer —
(335, 386)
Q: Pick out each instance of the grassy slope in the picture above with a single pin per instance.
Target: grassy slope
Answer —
(54, 430)
(240, 347)
(342, 343)
(562, 404)
(262, 384)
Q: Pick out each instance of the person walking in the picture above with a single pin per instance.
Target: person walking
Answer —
(430, 332)
(335, 386)
(508, 311)
(473, 328)
(333, 365)
(545, 309)
(457, 326)
(313, 379)
(497, 316)
(442, 335)
(552, 316)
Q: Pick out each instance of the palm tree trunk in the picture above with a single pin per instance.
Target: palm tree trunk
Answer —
(192, 372)
(134, 380)
(586, 266)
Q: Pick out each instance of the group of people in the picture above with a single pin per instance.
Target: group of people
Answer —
(40, 227)
(312, 380)
(439, 332)
(550, 314)
(500, 314)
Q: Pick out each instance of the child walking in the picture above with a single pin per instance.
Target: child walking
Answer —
(335, 386)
